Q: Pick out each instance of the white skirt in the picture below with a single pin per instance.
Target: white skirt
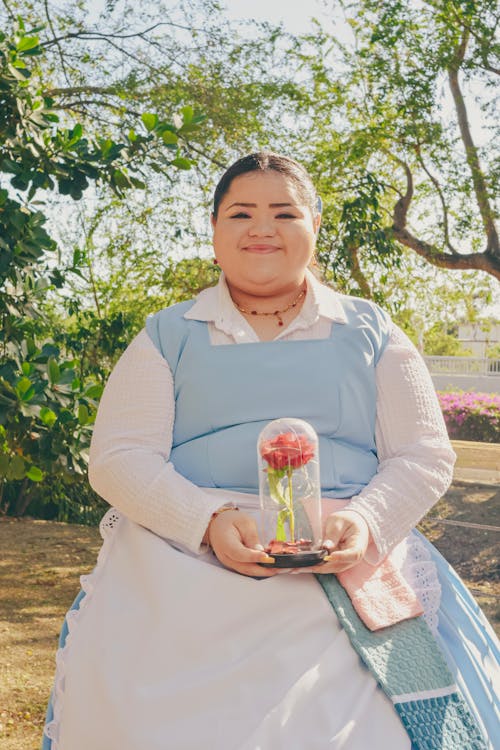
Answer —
(172, 651)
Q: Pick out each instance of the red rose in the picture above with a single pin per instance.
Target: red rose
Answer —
(287, 449)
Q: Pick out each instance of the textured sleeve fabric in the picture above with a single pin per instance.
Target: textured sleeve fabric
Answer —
(129, 455)
(415, 455)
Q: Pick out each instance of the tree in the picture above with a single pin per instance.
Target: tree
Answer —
(46, 409)
(101, 108)
(393, 136)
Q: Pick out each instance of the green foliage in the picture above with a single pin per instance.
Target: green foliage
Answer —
(381, 110)
(46, 414)
(91, 108)
(493, 352)
(48, 397)
(440, 340)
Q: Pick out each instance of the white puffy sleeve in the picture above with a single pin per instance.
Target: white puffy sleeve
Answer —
(129, 454)
(415, 454)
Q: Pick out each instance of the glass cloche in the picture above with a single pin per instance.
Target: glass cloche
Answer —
(290, 494)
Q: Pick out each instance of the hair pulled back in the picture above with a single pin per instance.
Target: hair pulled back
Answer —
(267, 161)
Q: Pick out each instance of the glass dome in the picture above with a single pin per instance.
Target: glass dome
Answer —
(290, 494)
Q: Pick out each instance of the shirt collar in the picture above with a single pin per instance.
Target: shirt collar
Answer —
(323, 300)
(214, 305)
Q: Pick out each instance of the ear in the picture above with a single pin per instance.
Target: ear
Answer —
(213, 220)
(317, 223)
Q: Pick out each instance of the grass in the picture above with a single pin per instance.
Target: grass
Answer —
(42, 561)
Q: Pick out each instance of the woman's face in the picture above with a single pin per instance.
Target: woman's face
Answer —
(264, 235)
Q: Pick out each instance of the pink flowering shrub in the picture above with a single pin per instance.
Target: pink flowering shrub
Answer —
(471, 416)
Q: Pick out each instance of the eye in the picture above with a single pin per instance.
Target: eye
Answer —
(286, 216)
(240, 215)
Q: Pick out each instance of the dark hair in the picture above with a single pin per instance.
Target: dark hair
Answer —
(267, 161)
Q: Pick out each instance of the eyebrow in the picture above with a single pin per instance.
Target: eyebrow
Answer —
(254, 205)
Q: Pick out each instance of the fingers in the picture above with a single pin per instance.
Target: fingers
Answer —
(234, 538)
(347, 540)
(339, 561)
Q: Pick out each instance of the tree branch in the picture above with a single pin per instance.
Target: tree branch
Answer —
(490, 68)
(74, 106)
(199, 151)
(59, 50)
(357, 274)
(436, 184)
(472, 156)
(401, 207)
(10, 12)
(486, 261)
(73, 90)
(484, 43)
(461, 261)
(94, 35)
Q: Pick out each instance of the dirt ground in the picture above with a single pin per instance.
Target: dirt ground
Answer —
(41, 561)
(473, 552)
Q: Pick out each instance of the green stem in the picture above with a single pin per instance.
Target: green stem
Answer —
(290, 505)
(284, 498)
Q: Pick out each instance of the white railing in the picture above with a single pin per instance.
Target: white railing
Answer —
(462, 365)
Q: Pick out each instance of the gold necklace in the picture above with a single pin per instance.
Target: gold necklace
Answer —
(276, 313)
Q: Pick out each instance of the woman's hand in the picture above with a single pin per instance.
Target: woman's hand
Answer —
(234, 539)
(346, 538)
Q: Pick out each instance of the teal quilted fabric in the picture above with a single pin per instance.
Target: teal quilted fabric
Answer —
(408, 664)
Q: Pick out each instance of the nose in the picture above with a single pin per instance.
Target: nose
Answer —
(262, 226)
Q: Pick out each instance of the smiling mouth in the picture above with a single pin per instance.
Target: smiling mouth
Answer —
(260, 248)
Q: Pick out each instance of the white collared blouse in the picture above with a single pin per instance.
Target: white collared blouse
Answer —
(129, 459)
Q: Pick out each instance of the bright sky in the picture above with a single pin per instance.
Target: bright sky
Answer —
(294, 15)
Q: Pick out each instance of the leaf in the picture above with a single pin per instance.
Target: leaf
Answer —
(106, 146)
(83, 414)
(150, 120)
(47, 416)
(23, 386)
(26, 43)
(35, 474)
(75, 135)
(16, 468)
(48, 350)
(120, 179)
(28, 395)
(53, 371)
(139, 184)
(169, 137)
(181, 163)
(187, 114)
(94, 391)
(20, 75)
(29, 410)
(65, 416)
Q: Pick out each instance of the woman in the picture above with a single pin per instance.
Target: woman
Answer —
(168, 646)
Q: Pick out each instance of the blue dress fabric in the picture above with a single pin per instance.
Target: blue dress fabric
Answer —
(226, 394)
